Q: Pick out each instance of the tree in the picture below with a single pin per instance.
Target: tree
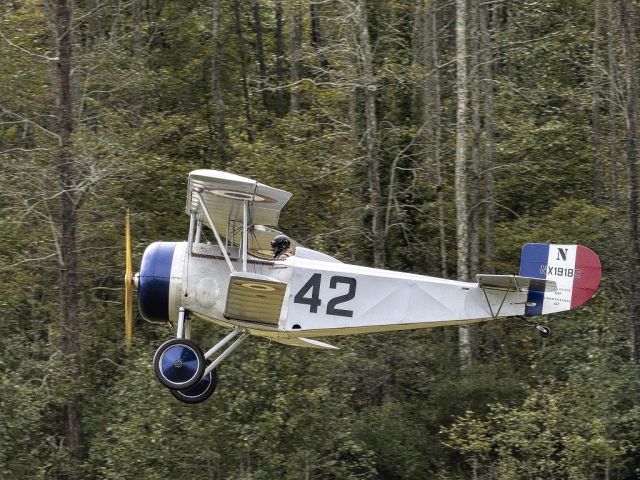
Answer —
(462, 213)
(627, 14)
(156, 89)
(62, 29)
(259, 45)
(217, 100)
(431, 117)
(280, 74)
(597, 170)
(369, 88)
(486, 72)
(612, 103)
(244, 69)
(296, 27)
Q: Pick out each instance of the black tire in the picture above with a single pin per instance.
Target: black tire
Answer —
(200, 391)
(543, 330)
(178, 363)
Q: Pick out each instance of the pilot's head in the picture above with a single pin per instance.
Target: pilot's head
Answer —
(279, 244)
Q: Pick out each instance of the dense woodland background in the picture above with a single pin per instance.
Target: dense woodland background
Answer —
(431, 136)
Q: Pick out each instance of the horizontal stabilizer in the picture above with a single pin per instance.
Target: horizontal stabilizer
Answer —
(515, 283)
(254, 298)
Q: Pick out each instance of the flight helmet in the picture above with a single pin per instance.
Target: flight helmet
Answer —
(279, 244)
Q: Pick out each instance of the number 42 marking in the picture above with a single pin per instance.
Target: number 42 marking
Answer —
(312, 288)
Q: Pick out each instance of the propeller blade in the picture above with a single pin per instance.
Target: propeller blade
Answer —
(128, 285)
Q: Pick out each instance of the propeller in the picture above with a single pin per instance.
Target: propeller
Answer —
(128, 285)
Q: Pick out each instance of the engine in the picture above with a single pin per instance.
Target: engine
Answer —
(154, 281)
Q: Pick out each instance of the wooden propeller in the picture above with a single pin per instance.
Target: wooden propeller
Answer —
(128, 285)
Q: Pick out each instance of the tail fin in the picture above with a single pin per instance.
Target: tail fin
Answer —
(575, 269)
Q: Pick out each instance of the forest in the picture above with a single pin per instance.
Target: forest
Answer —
(426, 136)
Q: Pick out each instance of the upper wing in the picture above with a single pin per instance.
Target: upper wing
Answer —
(224, 195)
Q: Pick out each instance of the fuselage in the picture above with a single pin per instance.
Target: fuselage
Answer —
(324, 297)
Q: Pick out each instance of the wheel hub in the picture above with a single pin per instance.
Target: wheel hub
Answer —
(179, 363)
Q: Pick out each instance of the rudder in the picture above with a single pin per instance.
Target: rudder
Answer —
(575, 269)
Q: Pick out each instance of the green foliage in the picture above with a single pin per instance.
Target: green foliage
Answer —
(388, 406)
(560, 431)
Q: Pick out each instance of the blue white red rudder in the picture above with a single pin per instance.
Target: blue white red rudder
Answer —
(575, 269)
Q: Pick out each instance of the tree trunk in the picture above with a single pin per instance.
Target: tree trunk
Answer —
(137, 20)
(596, 96)
(281, 106)
(431, 111)
(612, 74)
(353, 113)
(476, 163)
(262, 65)
(68, 260)
(444, 263)
(244, 71)
(486, 72)
(627, 16)
(99, 7)
(295, 55)
(114, 34)
(486, 59)
(462, 214)
(371, 135)
(219, 111)
(317, 37)
(476, 140)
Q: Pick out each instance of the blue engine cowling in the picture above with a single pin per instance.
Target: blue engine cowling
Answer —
(154, 280)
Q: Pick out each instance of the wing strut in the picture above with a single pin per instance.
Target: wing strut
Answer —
(494, 315)
(245, 228)
(509, 284)
(198, 229)
(192, 222)
(215, 231)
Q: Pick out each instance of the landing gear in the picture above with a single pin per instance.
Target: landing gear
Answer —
(179, 363)
(200, 391)
(542, 330)
(181, 366)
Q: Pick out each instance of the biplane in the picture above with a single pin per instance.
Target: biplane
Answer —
(233, 280)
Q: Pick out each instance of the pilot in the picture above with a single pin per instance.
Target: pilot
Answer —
(281, 246)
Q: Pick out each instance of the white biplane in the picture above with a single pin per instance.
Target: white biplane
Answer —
(236, 283)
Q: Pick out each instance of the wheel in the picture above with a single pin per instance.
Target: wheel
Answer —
(178, 363)
(543, 331)
(200, 391)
